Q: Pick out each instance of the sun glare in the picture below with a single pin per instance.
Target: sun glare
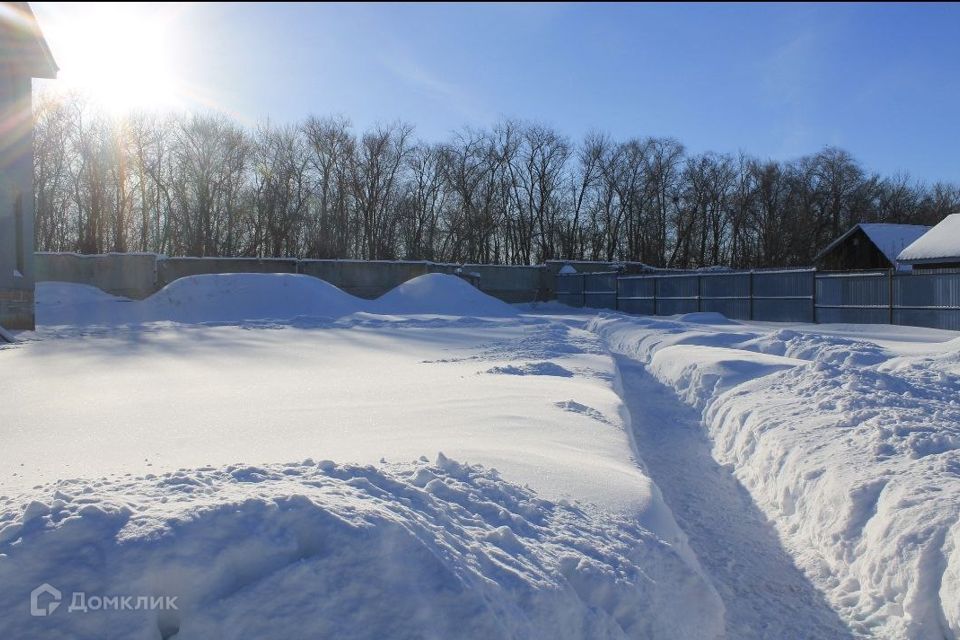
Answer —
(120, 55)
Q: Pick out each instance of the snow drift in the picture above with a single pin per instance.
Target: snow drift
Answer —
(568, 538)
(440, 294)
(237, 297)
(324, 550)
(851, 450)
(249, 296)
(213, 298)
(65, 303)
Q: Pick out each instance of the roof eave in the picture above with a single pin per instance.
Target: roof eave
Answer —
(929, 260)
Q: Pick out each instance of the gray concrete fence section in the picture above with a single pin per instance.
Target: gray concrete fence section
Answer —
(138, 275)
(133, 275)
(366, 279)
(170, 269)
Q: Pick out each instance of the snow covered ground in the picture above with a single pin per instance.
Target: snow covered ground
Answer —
(290, 461)
(847, 438)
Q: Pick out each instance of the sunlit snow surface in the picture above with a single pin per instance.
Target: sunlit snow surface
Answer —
(180, 444)
(853, 451)
(291, 461)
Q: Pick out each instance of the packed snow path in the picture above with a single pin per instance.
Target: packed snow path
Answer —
(764, 593)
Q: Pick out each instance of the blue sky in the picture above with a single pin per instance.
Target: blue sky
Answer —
(776, 81)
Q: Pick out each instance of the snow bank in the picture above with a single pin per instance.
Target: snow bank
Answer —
(64, 303)
(249, 296)
(209, 298)
(701, 373)
(852, 452)
(440, 294)
(239, 297)
(324, 550)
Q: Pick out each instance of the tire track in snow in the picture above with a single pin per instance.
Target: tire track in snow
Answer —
(765, 594)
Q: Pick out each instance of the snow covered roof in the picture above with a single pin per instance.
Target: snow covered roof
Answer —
(941, 243)
(890, 239)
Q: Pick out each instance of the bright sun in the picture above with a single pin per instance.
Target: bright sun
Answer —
(117, 54)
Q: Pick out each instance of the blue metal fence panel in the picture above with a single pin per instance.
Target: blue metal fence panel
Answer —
(570, 289)
(861, 298)
(725, 285)
(680, 286)
(638, 294)
(673, 306)
(934, 318)
(784, 296)
(726, 293)
(600, 290)
(732, 308)
(927, 299)
(930, 299)
(677, 294)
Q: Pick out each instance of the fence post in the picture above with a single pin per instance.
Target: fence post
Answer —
(750, 295)
(656, 287)
(699, 293)
(616, 289)
(813, 298)
(583, 291)
(890, 293)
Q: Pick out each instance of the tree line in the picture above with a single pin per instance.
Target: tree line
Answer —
(200, 184)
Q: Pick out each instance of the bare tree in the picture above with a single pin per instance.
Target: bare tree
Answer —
(517, 193)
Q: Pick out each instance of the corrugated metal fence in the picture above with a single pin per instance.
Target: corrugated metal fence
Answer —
(918, 298)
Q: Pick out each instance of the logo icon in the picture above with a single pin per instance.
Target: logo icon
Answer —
(51, 604)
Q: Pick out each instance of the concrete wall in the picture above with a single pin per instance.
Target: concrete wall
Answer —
(16, 201)
(139, 275)
(133, 275)
(364, 279)
(170, 269)
(514, 283)
(16, 309)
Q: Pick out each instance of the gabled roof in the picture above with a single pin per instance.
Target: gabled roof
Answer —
(22, 45)
(890, 239)
(940, 244)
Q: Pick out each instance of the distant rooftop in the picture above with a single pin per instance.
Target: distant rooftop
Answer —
(890, 239)
(940, 244)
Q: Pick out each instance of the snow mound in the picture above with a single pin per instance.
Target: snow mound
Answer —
(312, 550)
(52, 294)
(245, 297)
(440, 294)
(853, 453)
(234, 297)
(700, 373)
(66, 303)
(705, 317)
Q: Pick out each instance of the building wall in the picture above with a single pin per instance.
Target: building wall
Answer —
(856, 252)
(16, 185)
